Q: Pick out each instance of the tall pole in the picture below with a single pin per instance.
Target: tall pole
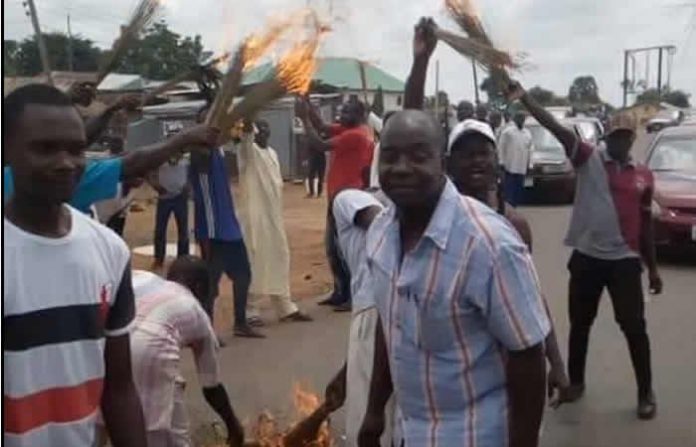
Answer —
(625, 79)
(437, 91)
(476, 88)
(70, 47)
(659, 73)
(40, 41)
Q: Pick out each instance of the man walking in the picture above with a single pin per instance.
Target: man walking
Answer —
(515, 148)
(610, 231)
(171, 183)
(169, 318)
(261, 216)
(218, 232)
(462, 319)
(67, 293)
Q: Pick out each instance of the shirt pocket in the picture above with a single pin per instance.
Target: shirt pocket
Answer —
(437, 331)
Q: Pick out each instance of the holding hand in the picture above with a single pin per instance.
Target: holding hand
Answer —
(335, 394)
(127, 102)
(558, 384)
(424, 39)
(655, 282)
(200, 135)
(514, 91)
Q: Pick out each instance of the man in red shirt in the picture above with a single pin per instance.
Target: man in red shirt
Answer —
(351, 144)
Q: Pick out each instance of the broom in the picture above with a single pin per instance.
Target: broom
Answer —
(142, 17)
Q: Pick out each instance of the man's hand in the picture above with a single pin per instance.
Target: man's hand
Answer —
(200, 135)
(302, 108)
(82, 93)
(127, 102)
(335, 394)
(514, 91)
(558, 384)
(655, 282)
(424, 39)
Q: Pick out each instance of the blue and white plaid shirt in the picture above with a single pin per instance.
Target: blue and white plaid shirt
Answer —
(462, 297)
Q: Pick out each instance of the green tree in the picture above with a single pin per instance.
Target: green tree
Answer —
(10, 48)
(378, 102)
(677, 98)
(24, 59)
(541, 95)
(584, 90)
(161, 54)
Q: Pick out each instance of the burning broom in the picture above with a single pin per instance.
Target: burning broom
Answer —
(142, 17)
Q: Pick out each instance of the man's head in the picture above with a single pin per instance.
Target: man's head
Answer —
(263, 133)
(620, 137)
(410, 164)
(519, 119)
(192, 273)
(472, 162)
(482, 113)
(83, 93)
(495, 119)
(465, 110)
(44, 140)
(352, 113)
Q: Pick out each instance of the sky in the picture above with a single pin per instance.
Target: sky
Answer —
(561, 38)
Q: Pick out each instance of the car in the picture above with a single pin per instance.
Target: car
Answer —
(663, 119)
(672, 159)
(550, 173)
(590, 129)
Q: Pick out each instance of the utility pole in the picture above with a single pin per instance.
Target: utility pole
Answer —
(437, 91)
(625, 80)
(39, 40)
(70, 47)
(670, 49)
(476, 87)
(659, 73)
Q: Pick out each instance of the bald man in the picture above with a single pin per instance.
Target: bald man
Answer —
(462, 320)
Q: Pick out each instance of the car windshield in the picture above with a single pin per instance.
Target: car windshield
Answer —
(544, 141)
(674, 154)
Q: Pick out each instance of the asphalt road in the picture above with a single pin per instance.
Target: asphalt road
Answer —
(259, 374)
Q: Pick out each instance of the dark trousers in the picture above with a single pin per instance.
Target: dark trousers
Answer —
(514, 188)
(317, 167)
(166, 207)
(117, 223)
(339, 268)
(231, 258)
(588, 278)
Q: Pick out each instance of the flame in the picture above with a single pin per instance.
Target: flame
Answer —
(296, 68)
(256, 46)
(305, 404)
(462, 7)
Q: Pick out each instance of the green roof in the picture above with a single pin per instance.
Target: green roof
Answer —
(342, 73)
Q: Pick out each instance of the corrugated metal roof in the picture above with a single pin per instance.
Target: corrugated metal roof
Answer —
(343, 73)
(117, 82)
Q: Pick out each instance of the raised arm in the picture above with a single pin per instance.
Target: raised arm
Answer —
(381, 388)
(314, 141)
(139, 162)
(94, 127)
(424, 43)
(566, 136)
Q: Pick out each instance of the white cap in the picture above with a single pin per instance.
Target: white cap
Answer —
(469, 126)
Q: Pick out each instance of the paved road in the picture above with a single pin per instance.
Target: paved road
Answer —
(259, 374)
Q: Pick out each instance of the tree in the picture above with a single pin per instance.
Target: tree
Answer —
(541, 95)
(161, 54)
(24, 59)
(677, 98)
(378, 102)
(584, 90)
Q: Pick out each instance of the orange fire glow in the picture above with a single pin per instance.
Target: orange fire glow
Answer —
(296, 68)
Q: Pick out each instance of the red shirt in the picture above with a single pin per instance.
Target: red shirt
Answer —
(351, 152)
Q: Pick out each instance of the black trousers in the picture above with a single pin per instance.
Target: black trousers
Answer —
(588, 278)
(317, 167)
(339, 268)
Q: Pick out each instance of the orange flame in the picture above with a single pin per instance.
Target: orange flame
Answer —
(256, 46)
(296, 69)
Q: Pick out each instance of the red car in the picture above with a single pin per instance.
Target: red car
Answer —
(672, 159)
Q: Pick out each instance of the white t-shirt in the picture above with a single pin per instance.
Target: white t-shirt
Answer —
(351, 240)
(61, 298)
(514, 149)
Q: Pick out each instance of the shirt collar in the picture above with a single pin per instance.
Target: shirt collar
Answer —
(440, 225)
(607, 158)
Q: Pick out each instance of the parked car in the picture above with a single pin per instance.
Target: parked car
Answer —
(589, 128)
(664, 119)
(672, 159)
(550, 173)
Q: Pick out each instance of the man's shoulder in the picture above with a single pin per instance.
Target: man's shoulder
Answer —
(101, 236)
(490, 230)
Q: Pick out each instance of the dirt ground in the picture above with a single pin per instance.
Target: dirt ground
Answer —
(305, 220)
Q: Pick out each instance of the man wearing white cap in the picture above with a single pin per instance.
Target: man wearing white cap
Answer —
(610, 231)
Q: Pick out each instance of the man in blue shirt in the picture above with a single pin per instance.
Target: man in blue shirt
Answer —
(219, 234)
(101, 179)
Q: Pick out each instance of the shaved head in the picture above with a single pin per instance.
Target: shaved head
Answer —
(413, 121)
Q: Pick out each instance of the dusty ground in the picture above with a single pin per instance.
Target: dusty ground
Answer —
(304, 223)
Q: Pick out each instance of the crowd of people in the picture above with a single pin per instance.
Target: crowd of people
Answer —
(450, 332)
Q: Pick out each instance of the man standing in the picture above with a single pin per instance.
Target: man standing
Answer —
(66, 348)
(465, 111)
(218, 232)
(463, 322)
(515, 148)
(261, 216)
(171, 183)
(351, 146)
(169, 318)
(610, 230)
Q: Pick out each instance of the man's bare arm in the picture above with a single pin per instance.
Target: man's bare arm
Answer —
(94, 127)
(219, 401)
(305, 112)
(381, 388)
(526, 377)
(647, 243)
(424, 42)
(121, 409)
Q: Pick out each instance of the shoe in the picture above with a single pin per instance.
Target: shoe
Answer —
(332, 300)
(255, 322)
(247, 332)
(647, 407)
(343, 307)
(297, 317)
(575, 392)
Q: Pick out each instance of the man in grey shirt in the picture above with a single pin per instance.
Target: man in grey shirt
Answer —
(171, 183)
